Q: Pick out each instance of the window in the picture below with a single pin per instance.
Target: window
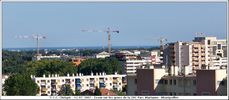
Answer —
(175, 93)
(194, 94)
(170, 93)
(209, 41)
(38, 81)
(48, 86)
(110, 84)
(194, 82)
(174, 82)
(87, 85)
(222, 83)
(135, 81)
(160, 81)
(166, 81)
(219, 46)
(62, 80)
(170, 81)
(48, 81)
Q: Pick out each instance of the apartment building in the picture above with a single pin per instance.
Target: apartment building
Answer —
(155, 57)
(213, 47)
(102, 55)
(45, 57)
(202, 52)
(158, 82)
(211, 82)
(52, 84)
(131, 65)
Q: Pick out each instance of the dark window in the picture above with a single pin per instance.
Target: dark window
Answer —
(194, 94)
(175, 93)
(219, 46)
(194, 82)
(170, 82)
(166, 81)
(222, 83)
(209, 41)
(135, 81)
(174, 82)
(160, 81)
(170, 93)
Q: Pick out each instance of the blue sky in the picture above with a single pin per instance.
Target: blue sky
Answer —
(139, 23)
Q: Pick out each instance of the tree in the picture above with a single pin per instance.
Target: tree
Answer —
(66, 90)
(13, 61)
(107, 65)
(97, 92)
(77, 92)
(38, 68)
(119, 93)
(20, 85)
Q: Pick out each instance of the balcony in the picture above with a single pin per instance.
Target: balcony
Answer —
(102, 85)
(43, 89)
(92, 82)
(53, 89)
(43, 83)
(101, 81)
(77, 81)
(115, 81)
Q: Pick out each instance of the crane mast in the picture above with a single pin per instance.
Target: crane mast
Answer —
(108, 31)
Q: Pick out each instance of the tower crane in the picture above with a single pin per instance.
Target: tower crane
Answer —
(37, 37)
(199, 34)
(108, 31)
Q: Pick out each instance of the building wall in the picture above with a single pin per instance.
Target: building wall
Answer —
(52, 84)
(132, 85)
(206, 82)
(145, 86)
(133, 64)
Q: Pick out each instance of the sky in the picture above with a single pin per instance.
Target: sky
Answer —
(140, 24)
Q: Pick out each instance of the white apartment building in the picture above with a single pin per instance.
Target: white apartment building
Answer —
(131, 65)
(155, 57)
(52, 84)
(201, 53)
(40, 57)
(102, 55)
(213, 47)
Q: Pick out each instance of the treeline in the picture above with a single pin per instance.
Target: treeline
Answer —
(107, 65)
(13, 62)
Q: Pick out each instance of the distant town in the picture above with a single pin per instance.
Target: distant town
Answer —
(190, 68)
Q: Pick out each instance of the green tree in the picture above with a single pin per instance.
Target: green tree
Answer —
(119, 93)
(65, 90)
(20, 85)
(13, 61)
(38, 68)
(77, 92)
(107, 65)
(97, 91)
